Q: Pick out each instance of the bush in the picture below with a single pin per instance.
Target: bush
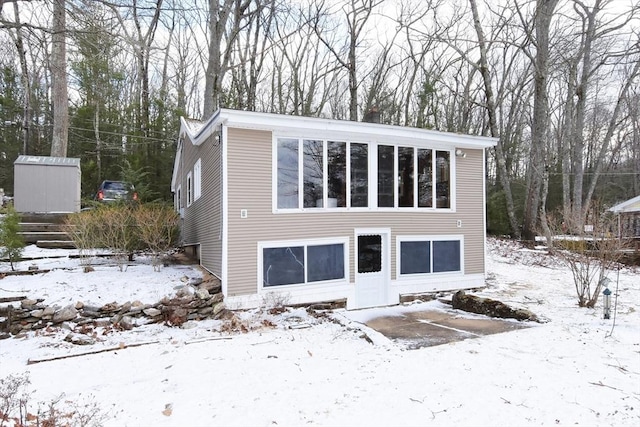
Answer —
(124, 229)
(157, 226)
(11, 243)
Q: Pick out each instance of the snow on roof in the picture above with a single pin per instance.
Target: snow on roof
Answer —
(631, 205)
(50, 161)
(194, 125)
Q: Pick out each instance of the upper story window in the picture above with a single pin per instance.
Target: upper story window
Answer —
(197, 180)
(407, 177)
(318, 174)
(189, 189)
(314, 173)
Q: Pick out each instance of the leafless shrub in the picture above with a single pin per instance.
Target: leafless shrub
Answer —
(590, 255)
(69, 413)
(275, 302)
(117, 227)
(82, 228)
(14, 398)
(157, 226)
(14, 402)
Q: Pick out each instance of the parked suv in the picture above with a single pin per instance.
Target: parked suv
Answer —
(115, 191)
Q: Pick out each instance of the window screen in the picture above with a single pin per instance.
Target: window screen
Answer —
(446, 255)
(283, 266)
(369, 254)
(287, 173)
(325, 262)
(415, 257)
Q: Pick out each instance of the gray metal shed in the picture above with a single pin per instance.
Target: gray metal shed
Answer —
(46, 184)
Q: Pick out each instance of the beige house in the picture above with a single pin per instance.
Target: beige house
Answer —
(307, 210)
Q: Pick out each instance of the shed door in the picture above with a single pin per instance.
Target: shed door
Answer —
(372, 269)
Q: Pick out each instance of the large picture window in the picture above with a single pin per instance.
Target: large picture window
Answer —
(301, 264)
(314, 174)
(321, 174)
(416, 182)
(430, 255)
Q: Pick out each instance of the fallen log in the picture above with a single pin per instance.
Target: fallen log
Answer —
(12, 299)
(122, 346)
(25, 272)
(490, 307)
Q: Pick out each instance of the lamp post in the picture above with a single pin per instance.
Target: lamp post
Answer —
(607, 302)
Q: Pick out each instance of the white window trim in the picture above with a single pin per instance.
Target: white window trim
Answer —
(303, 242)
(189, 189)
(197, 180)
(372, 173)
(178, 202)
(431, 238)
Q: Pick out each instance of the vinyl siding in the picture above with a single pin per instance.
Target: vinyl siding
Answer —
(202, 224)
(250, 187)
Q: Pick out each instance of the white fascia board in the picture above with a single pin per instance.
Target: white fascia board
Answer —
(284, 125)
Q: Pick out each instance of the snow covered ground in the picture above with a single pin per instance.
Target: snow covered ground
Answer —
(293, 369)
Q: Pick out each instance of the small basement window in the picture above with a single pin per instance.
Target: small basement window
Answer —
(432, 254)
(300, 264)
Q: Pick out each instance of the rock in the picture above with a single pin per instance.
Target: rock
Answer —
(202, 293)
(174, 316)
(195, 281)
(110, 307)
(216, 298)
(205, 311)
(65, 314)
(36, 313)
(28, 303)
(184, 292)
(79, 305)
(125, 307)
(126, 323)
(80, 339)
(218, 308)
(489, 307)
(152, 312)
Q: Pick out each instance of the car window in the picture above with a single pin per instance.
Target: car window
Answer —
(120, 186)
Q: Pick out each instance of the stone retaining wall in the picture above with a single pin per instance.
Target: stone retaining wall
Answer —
(196, 300)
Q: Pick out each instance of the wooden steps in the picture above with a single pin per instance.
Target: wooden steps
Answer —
(45, 230)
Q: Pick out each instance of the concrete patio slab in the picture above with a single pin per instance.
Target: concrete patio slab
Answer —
(431, 324)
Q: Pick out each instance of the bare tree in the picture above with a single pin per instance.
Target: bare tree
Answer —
(542, 21)
(60, 138)
(492, 113)
(357, 13)
(24, 78)
(222, 14)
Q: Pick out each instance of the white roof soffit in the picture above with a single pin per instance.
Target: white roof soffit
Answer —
(286, 125)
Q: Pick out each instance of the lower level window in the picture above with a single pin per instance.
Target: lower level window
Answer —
(429, 256)
(301, 264)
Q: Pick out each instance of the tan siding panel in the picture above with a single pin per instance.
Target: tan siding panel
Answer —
(202, 224)
(250, 187)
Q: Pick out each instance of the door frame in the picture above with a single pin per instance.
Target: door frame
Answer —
(385, 284)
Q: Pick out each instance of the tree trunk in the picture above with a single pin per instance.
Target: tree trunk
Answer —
(544, 13)
(493, 126)
(26, 83)
(59, 79)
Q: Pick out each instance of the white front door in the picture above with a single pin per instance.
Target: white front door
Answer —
(372, 267)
